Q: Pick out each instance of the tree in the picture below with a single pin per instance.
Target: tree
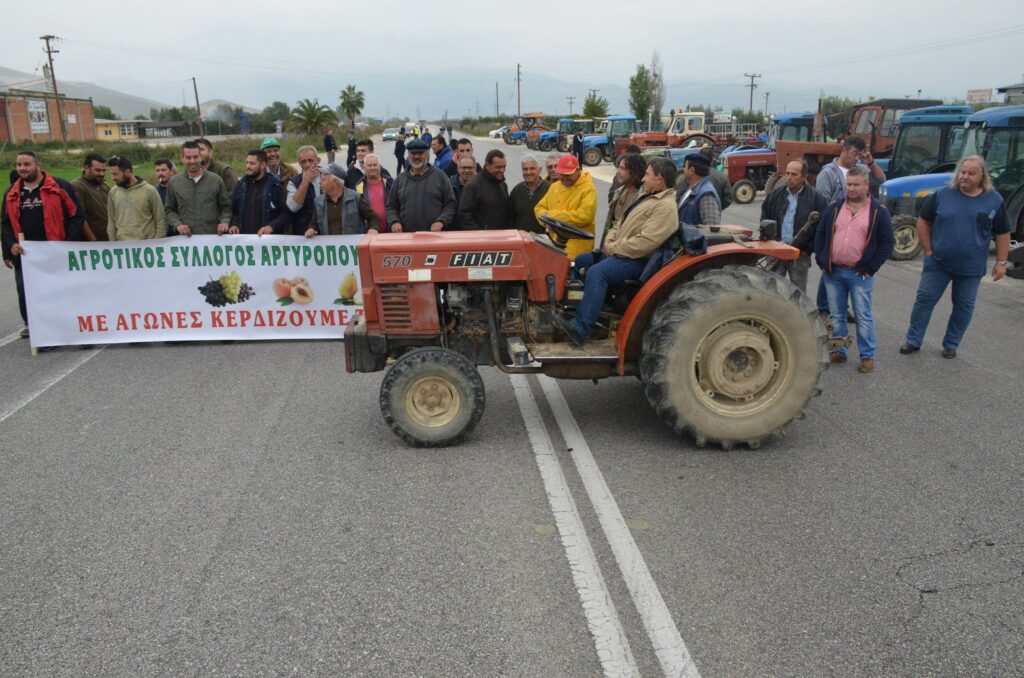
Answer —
(744, 116)
(352, 102)
(311, 118)
(595, 106)
(103, 112)
(657, 85)
(640, 93)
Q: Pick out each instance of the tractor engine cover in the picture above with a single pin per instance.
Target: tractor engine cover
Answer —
(399, 273)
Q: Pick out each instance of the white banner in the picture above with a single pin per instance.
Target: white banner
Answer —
(37, 117)
(190, 289)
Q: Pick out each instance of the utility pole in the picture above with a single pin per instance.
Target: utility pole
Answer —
(497, 114)
(478, 108)
(571, 99)
(752, 87)
(56, 96)
(519, 96)
(766, 103)
(199, 113)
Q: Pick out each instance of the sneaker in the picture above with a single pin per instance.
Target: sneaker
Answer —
(569, 330)
(24, 332)
(949, 353)
(906, 349)
(866, 365)
(836, 358)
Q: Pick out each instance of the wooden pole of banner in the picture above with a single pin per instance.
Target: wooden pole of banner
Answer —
(21, 241)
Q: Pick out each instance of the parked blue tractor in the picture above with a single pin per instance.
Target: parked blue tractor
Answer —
(997, 134)
(597, 147)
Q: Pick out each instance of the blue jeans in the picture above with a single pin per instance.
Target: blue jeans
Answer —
(822, 295)
(843, 284)
(934, 281)
(600, 272)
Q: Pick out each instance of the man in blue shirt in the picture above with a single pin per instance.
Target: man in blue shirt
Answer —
(790, 206)
(956, 224)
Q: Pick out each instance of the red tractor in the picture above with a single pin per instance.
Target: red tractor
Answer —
(728, 352)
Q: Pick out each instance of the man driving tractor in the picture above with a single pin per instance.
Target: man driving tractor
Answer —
(644, 227)
(573, 200)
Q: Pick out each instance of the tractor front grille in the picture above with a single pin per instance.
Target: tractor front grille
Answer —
(394, 308)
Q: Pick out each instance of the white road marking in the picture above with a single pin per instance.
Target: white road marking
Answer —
(668, 643)
(52, 381)
(613, 649)
(10, 337)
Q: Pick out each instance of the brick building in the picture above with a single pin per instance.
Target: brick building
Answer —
(26, 115)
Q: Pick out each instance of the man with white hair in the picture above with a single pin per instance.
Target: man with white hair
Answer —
(303, 190)
(375, 188)
(422, 198)
(526, 194)
(956, 224)
(341, 211)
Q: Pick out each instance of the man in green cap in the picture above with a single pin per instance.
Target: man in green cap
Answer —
(282, 170)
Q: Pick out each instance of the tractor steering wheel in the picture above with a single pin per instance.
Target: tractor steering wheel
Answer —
(564, 231)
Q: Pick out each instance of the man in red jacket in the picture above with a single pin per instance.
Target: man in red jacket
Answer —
(39, 207)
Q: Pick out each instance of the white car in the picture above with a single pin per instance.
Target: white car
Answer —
(498, 133)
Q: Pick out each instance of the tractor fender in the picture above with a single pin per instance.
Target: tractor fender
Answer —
(629, 338)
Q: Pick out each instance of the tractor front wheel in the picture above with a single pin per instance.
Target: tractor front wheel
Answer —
(563, 146)
(743, 191)
(432, 397)
(545, 145)
(907, 239)
(733, 356)
(592, 156)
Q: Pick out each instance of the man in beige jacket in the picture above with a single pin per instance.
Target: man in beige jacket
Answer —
(644, 226)
(134, 208)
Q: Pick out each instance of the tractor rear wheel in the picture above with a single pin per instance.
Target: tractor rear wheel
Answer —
(592, 156)
(432, 397)
(520, 141)
(545, 145)
(744, 191)
(769, 185)
(908, 241)
(733, 356)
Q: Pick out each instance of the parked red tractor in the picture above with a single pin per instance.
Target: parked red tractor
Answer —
(728, 353)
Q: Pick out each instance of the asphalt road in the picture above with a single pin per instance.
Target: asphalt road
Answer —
(243, 510)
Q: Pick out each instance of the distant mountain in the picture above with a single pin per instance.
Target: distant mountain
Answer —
(124, 105)
(207, 108)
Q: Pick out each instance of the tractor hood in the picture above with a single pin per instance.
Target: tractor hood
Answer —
(918, 186)
(408, 259)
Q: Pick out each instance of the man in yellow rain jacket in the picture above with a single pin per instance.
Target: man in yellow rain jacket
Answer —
(572, 199)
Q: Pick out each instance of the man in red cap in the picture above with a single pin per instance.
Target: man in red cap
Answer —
(572, 199)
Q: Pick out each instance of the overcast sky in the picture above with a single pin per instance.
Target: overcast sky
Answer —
(255, 52)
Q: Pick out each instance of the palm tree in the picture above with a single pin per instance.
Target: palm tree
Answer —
(311, 118)
(352, 102)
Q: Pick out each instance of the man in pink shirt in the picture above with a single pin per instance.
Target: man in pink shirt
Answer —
(853, 241)
(375, 186)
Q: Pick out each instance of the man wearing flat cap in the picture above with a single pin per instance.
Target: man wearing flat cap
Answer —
(422, 198)
(700, 203)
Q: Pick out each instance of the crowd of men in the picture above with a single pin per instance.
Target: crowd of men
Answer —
(648, 204)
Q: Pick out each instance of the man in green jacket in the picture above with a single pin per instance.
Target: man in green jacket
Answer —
(197, 202)
(220, 169)
(134, 208)
(92, 192)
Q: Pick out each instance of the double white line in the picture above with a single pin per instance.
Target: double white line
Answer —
(609, 636)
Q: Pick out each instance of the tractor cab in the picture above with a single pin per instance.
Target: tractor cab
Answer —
(790, 127)
(929, 141)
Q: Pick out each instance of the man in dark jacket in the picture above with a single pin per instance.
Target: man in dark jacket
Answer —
(40, 207)
(525, 196)
(351, 157)
(854, 239)
(699, 203)
(484, 204)
(258, 205)
(789, 206)
(226, 174)
(330, 145)
(422, 198)
(400, 153)
(577, 145)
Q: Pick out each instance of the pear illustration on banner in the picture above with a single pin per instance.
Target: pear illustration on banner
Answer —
(348, 290)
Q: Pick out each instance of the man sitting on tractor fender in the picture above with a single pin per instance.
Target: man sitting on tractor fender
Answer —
(572, 199)
(646, 224)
